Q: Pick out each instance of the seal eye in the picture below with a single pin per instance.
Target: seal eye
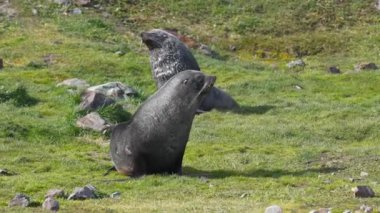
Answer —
(185, 81)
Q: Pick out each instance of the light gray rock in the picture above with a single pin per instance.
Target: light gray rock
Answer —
(92, 101)
(296, 63)
(115, 195)
(83, 2)
(20, 200)
(50, 204)
(74, 83)
(92, 121)
(55, 193)
(82, 193)
(204, 49)
(377, 5)
(116, 90)
(64, 2)
(321, 210)
(366, 66)
(363, 191)
(76, 11)
(273, 209)
(5, 172)
(366, 209)
(347, 211)
(363, 174)
(7, 10)
(34, 11)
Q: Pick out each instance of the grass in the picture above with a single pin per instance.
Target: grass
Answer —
(296, 148)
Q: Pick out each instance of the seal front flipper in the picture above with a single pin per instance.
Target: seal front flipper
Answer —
(219, 100)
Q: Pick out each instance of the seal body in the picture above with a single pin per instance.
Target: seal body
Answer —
(154, 140)
(169, 56)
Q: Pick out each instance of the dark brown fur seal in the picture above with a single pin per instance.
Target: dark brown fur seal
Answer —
(154, 140)
(169, 56)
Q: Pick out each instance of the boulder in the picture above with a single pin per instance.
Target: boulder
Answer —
(116, 90)
(208, 51)
(92, 121)
(55, 193)
(296, 63)
(83, 193)
(92, 100)
(20, 200)
(50, 204)
(83, 2)
(333, 70)
(273, 209)
(363, 191)
(366, 66)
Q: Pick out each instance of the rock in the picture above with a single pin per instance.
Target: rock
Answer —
(74, 83)
(115, 90)
(366, 209)
(363, 174)
(83, 2)
(365, 66)
(208, 51)
(49, 59)
(83, 193)
(5, 172)
(363, 191)
(20, 200)
(333, 70)
(377, 5)
(296, 63)
(50, 204)
(55, 193)
(298, 87)
(92, 101)
(92, 121)
(321, 210)
(232, 48)
(34, 11)
(273, 209)
(347, 211)
(6, 10)
(119, 53)
(76, 11)
(1, 63)
(115, 195)
(63, 2)
(244, 195)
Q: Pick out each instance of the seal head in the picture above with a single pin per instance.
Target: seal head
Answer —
(154, 140)
(169, 56)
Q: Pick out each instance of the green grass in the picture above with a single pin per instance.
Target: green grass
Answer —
(295, 148)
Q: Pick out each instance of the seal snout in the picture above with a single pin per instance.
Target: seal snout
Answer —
(209, 83)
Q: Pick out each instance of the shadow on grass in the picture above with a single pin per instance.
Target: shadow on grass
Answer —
(19, 97)
(276, 173)
(246, 110)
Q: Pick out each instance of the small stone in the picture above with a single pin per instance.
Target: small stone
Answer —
(92, 121)
(347, 211)
(366, 209)
(115, 195)
(76, 11)
(298, 87)
(232, 48)
(296, 63)
(204, 179)
(363, 191)
(50, 204)
(365, 66)
(20, 200)
(119, 53)
(74, 83)
(208, 51)
(65, 2)
(92, 101)
(55, 193)
(333, 70)
(273, 209)
(244, 195)
(83, 2)
(5, 172)
(34, 11)
(82, 193)
(363, 174)
(314, 211)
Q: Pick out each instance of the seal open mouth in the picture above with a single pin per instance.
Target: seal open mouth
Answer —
(209, 83)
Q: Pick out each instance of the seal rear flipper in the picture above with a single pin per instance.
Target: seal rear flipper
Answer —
(218, 99)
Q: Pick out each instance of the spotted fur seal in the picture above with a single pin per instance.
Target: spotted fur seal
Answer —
(154, 140)
(169, 56)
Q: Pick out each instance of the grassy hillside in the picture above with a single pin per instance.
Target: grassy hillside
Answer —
(296, 148)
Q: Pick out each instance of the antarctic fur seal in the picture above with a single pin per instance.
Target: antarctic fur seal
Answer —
(169, 56)
(154, 140)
